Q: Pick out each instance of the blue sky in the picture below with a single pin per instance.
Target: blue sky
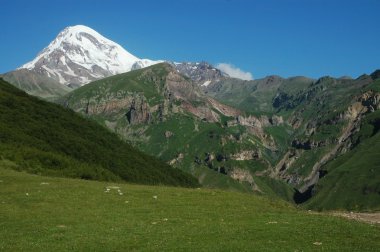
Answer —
(264, 37)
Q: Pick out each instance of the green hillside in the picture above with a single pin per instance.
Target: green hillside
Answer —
(45, 138)
(55, 214)
(166, 115)
(331, 135)
(36, 84)
(256, 96)
(276, 137)
(353, 180)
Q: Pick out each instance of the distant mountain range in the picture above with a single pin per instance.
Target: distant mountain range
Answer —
(79, 55)
(310, 141)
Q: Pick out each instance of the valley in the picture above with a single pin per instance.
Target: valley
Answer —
(101, 150)
(269, 152)
(288, 137)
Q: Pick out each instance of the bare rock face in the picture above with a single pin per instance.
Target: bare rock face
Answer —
(181, 88)
(224, 109)
(168, 134)
(139, 112)
(252, 121)
(255, 126)
(367, 102)
(176, 94)
(246, 155)
(241, 175)
(276, 120)
(203, 74)
(177, 159)
(244, 176)
(202, 112)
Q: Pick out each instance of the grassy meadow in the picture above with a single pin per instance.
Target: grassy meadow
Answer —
(58, 214)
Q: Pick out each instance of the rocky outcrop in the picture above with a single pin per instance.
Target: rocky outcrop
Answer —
(180, 88)
(252, 121)
(168, 134)
(295, 121)
(281, 171)
(202, 112)
(203, 74)
(255, 126)
(177, 159)
(193, 101)
(276, 120)
(366, 103)
(224, 109)
(139, 112)
(241, 175)
(244, 176)
(246, 155)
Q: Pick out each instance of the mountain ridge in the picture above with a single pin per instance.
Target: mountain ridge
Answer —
(299, 125)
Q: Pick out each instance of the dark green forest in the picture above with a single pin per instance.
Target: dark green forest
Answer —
(45, 138)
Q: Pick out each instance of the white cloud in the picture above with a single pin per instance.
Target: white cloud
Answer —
(234, 72)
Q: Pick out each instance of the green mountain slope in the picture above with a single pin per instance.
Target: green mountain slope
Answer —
(353, 180)
(256, 96)
(274, 137)
(45, 138)
(324, 117)
(36, 84)
(54, 214)
(166, 115)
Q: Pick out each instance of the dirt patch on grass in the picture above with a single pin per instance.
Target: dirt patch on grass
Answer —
(372, 218)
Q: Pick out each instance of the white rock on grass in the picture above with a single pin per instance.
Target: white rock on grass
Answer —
(112, 187)
(272, 222)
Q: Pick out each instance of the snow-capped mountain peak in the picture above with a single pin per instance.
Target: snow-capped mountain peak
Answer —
(79, 55)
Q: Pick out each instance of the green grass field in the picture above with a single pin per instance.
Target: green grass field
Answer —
(58, 214)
